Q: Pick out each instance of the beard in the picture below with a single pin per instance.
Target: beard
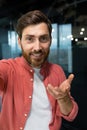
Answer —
(36, 58)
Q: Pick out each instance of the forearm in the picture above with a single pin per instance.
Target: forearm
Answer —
(65, 105)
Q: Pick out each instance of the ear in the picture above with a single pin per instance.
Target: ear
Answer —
(50, 40)
(19, 41)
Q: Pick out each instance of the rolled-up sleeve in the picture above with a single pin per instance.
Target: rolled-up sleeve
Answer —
(72, 115)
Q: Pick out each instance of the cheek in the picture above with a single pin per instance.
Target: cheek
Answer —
(27, 47)
(46, 46)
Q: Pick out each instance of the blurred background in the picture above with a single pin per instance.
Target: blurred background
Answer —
(69, 43)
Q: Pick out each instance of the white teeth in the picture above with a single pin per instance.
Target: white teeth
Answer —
(36, 55)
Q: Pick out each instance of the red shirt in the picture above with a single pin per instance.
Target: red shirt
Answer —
(16, 83)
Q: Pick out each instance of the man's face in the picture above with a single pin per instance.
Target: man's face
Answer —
(35, 44)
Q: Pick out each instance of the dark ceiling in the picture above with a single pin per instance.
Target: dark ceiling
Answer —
(61, 11)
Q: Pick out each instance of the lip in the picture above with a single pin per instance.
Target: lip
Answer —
(37, 55)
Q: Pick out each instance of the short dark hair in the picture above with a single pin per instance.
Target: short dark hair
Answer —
(32, 18)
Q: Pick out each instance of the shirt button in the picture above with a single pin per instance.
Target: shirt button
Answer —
(31, 70)
(25, 115)
(21, 128)
(30, 96)
(31, 79)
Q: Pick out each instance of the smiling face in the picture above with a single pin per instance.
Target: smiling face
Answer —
(35, 44)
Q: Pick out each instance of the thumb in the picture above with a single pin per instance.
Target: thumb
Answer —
(70, 78)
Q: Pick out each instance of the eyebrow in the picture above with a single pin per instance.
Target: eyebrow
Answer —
(34, 35)
(28, 35)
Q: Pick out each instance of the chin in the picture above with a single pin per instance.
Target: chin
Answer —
(37, 64)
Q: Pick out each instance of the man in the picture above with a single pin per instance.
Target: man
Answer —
(36, 93)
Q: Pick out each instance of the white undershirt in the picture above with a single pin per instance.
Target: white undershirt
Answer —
(41, 112)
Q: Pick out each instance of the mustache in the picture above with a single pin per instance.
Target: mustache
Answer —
(37, 51)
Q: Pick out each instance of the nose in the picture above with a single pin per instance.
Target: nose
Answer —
(37, 45)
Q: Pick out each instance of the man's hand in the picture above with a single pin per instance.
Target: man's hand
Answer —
(61, 91)
(61, 94)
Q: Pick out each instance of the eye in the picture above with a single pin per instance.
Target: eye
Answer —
(44, 39)
(30, 39)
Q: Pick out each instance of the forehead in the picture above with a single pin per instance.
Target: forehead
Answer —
(38, 29)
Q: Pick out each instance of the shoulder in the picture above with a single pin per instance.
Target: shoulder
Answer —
(10, 61)
(57, 70)
(55, 67)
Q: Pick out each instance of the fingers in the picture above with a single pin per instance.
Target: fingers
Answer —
(70, 78)
(52, 90)
(56, 92)
(62, 90)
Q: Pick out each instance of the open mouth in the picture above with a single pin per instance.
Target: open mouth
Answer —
(37, 55)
